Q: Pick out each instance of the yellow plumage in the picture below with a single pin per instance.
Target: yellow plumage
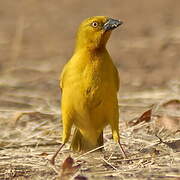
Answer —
(89, 84)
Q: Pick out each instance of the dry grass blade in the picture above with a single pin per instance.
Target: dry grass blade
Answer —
(32, 115)
(109, 164)
(93, 150)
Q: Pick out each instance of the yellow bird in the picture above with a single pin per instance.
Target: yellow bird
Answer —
(89, 84)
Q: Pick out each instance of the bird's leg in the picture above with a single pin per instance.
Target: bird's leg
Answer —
(122, 150)
(52, 161)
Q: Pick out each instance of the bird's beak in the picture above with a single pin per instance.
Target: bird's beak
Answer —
(111, 24)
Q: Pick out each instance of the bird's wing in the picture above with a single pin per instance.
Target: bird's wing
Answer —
(116, 77)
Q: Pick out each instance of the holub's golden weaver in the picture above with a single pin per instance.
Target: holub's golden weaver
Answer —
(89, 84)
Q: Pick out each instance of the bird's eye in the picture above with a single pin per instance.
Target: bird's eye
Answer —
(94, 24)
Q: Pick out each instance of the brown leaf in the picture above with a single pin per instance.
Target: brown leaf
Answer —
(43, 154)
(80, 177)
(172, 104)
(68, 163)
(68, 169)
(168, 122)
(175, 145)
(145, 117)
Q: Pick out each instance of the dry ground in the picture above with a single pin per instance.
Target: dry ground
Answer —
(37, 38)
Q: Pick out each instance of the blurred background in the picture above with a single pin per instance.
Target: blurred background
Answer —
(37, 39)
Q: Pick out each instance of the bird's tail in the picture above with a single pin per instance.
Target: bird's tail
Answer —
(80, 144)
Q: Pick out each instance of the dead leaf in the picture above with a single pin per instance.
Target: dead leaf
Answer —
(80, 177)
(68, 163)
(43, 154)
(145, 117)
(168, 122)
(172, 104)
(68, 169)
(175, 145)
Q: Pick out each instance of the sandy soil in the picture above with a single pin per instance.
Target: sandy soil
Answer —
(36, 40)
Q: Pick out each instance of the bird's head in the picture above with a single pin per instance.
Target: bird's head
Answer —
(94, 32)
